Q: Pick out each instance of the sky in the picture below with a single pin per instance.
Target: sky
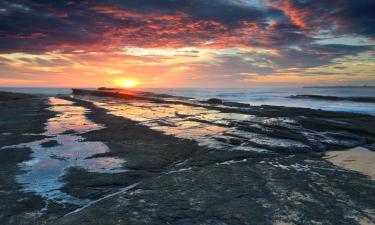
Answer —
(187, 43)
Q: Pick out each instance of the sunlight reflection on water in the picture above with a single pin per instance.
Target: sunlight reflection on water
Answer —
(49, 164)
(209, 128)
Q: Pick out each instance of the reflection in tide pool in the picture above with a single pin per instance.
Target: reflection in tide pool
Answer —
(70, 118)
(49, 164)
(197, 123)
(209, 128)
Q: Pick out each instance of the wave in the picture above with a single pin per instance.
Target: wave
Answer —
(335, 98)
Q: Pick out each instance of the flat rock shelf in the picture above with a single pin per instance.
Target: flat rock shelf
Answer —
(126, 157)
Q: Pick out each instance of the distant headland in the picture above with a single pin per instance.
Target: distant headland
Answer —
(347, 86)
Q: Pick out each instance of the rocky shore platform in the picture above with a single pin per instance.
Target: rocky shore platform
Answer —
(188, 162)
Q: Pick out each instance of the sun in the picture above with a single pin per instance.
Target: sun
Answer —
(128, 84)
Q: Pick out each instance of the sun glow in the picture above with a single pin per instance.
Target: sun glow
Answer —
(128, 84)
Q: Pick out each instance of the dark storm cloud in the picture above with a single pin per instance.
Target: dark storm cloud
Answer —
(342, 16)
(314, 55)
(43, 27)
(226, 11)
(40, 26)
(358, 17)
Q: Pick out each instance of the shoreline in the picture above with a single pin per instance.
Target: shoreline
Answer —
(181, 182)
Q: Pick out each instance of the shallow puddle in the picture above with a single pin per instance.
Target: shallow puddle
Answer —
(64, 149)
(210, 128)
(357, 159)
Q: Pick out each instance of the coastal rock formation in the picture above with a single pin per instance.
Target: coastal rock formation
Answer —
(187, 162)
(275, 128)
(284, 181)
(22, 120)
(215, 101)
(295, 190)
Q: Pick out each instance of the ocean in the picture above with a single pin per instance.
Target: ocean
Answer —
(257, 96)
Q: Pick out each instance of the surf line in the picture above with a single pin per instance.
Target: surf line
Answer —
(123, 190)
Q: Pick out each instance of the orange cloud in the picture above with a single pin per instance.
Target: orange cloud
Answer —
(297, 15)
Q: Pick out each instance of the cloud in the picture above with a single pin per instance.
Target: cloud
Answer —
(40, 26)
(340, 16)
(314, 55)
(109, 25)
(184, 36)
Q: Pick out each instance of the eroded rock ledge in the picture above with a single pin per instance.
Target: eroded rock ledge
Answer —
(180, 183)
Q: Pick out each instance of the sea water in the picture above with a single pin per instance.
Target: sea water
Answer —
(256, 96)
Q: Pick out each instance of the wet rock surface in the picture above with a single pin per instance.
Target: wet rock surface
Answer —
(147, 153)
(294, 190)
(286, 183)
(22, 120)
(49, 144)
(195, 163)
(34, 155)
(215, 101)
(22, 117)
(279, 129)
